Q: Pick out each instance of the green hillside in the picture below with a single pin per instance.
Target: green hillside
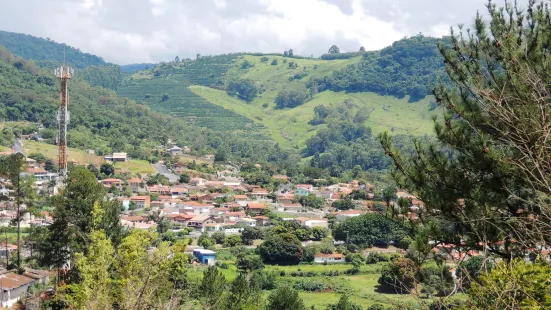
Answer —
(195, 90)
(102, 121)
(46, 51)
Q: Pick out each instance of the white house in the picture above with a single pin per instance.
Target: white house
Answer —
(341, 216)
(322, 222)
(14, 287)
(329, 258)
(246, 221)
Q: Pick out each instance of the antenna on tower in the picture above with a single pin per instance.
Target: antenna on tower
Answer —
(64, 74)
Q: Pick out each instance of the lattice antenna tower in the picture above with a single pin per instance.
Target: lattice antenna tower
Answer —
(64, 74)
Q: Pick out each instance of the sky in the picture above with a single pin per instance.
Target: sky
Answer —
(140, 31)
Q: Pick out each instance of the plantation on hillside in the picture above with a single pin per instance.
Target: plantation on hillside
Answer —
(272, 75)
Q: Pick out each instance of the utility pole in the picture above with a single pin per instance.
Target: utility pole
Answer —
(346, 243)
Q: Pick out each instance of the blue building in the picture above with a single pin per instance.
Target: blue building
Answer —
(206, 257)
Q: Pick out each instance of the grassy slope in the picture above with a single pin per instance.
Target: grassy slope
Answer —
(289, 127)
(50, 151)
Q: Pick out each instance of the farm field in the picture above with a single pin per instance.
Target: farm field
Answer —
(50, 151)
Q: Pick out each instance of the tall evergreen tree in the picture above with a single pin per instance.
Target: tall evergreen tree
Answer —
(488, 178)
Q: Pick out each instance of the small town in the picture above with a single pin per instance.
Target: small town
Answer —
(275, 155)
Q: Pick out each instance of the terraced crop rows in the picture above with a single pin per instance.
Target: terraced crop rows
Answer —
(184, 103)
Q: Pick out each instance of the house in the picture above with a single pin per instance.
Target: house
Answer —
(40, 276)
(301, 192)
(308, 187)
(286, 198)
(246, 222)
(159, 190)
(40, 174)
(7, 249)
(343, 215)
(30, 162)
(234, 215)
(175, 151)
(262, 220)
(319, 222)
(290, 207)
(205, 256)
(259, 193)
(329, 258)
(136, 184)
(122, 157)
(281, 177)
(181, 218)
(197, 181)
(213, 227)
(14, 288)
(210, 156)
(141, 201)
(202, 209)
(255, 208)
(199, 221)
(179, 191)
(111, 182)
(240, 198)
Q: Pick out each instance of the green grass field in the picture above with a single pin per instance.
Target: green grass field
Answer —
(136, 166)
(290, 126)
(362, 287)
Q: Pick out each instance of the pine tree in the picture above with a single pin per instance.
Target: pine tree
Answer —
(488, 177)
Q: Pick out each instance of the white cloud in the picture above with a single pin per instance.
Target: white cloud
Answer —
(127, 31)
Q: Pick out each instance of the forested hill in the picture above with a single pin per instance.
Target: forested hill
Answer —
(104, 122)
(46, 52)
(281, 91)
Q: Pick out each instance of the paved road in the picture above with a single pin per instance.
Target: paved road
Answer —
(18, 146)
(162, 169)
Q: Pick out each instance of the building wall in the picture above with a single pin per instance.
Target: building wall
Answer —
(11, 297)
(329, 260)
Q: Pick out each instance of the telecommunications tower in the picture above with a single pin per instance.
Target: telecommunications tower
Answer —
(64, 74)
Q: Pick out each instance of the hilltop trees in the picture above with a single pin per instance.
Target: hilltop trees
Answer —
(407, 67)
(334, 49)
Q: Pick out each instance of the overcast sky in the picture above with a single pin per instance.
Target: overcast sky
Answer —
(133, 31)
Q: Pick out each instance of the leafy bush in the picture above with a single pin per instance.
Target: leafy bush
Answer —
(309, 286)
(376, 257)
(290, 98)
(243, 88)
(399, 275)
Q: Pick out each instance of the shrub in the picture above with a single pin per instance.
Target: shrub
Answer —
(309, 286)
(399, 275)
(376, 257)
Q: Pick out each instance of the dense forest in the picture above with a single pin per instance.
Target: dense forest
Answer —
(46, 52)
(407, 68)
